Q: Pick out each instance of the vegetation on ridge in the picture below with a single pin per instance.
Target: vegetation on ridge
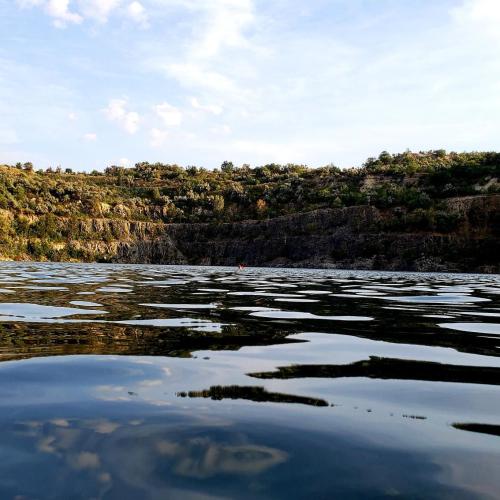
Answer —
(40, 211)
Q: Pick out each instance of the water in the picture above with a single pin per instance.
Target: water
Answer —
(186, 382)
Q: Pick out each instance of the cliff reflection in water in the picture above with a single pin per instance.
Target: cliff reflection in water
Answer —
(251, 393)
(389, 368)
(152, 382)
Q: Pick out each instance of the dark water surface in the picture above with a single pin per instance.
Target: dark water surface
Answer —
(152, 382)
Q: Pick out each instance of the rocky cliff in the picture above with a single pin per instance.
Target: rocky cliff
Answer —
(428, 211)
(354, 237)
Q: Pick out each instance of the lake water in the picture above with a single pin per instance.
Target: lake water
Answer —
(149, 382)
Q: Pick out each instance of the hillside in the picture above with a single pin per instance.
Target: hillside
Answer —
(423, 211)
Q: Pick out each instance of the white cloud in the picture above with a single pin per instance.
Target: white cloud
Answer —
(219, 26)
(59, 10)
(72, 116)
(137, 13)
(209, 108)
(99, 10)
(158, 137)
(117, 112)
(199, 76)
(481, 16)
(90, 137)
(66, 12)
(479, 10)
(170, 115)
(131, 122)
(253, 81)
(225, 22)
(124, 162)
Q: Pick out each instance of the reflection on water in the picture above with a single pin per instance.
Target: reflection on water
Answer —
(252, 394)
(206, 383)
(390, 368)
(494, 430)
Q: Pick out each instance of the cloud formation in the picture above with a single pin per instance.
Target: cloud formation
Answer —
(137, 13)
(117, 111)
(249, 81)
(170, 115)
(209, 108)
(98, 10)
(66, 12)
(483, 16)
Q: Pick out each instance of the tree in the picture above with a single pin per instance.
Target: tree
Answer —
(385, 157)
(227, 166)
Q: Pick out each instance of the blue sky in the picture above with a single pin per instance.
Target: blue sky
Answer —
(90, 83)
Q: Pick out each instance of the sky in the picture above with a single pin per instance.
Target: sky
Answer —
(85, 84)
